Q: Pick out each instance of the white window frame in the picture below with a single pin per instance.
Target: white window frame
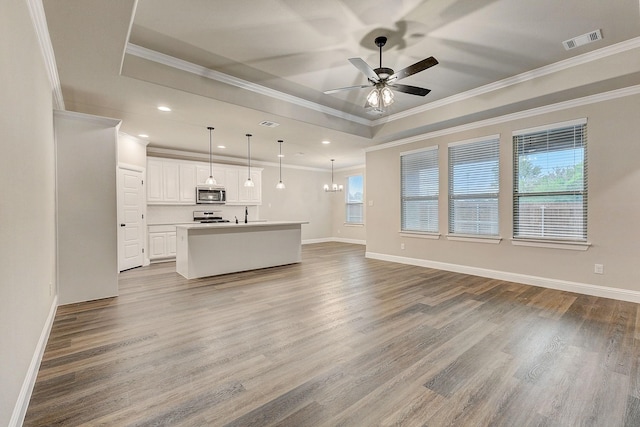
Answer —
(347, 220)
(558, 242)
(477, 235)
(431, 231)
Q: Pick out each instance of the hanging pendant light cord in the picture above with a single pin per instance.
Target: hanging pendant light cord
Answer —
(249, 153)
(332, 171)
(210, 161)
(280, 158)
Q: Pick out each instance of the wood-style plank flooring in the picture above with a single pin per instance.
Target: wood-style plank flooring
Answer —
(339, 340)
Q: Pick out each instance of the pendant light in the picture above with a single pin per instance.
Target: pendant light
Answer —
(249, 182)
(334, 187)
(211, 180)
(280, 185)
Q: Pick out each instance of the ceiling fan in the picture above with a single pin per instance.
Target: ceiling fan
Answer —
(384, 79)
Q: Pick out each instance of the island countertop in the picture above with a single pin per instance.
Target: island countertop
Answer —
(226, 247)
(217, 225)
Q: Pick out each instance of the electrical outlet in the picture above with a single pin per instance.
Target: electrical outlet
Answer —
(50, 288)
(402, 246)
(370, 202)
(598, 269)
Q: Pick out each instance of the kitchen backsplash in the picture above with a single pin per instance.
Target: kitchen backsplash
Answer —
(161, 214)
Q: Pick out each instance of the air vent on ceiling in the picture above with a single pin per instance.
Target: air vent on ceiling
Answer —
(583, 39)
(269, 124)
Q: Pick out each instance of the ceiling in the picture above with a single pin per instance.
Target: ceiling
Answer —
(235, 64)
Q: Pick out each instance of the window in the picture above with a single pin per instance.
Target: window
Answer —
(473, 187)
(550, 182)
(419, 192)
(354, 207)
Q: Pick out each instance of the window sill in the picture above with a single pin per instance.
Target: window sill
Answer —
(420, 235)
(494, 240)
(354, 224)
(551, 244)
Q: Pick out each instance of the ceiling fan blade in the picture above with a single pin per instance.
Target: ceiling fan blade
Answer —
(412, 69)
(340, 89)
(413, 90)
(365, 69)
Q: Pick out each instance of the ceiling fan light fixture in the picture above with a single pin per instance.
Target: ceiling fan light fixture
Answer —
(373, 99)
(387, 96)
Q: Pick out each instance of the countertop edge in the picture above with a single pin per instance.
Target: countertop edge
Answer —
(220, 225)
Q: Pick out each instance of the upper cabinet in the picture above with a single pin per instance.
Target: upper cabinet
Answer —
(162, 181)
(173, 182)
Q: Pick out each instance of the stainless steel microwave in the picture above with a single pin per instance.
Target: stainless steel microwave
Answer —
(210, 194)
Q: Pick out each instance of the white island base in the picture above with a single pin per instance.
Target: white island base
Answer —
(212, 249)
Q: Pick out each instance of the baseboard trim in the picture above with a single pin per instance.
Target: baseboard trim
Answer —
(561, 285)
(312, 241)
(20, 409)
(352, 241)
(334, 239)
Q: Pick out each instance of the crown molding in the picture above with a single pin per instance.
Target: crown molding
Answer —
(39, 20)
(592, 99)
(189, 67)
(135, 138)
(585, 58)
(90, 118)
(171, 153)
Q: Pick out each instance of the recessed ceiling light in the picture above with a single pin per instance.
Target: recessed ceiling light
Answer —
(222, 146)
(164, 108)
(325, 142)
(143, 135)
(280, 155)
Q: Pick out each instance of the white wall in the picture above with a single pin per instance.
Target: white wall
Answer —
(27, 205)
(132, 151)
(86, 208)
(303, 199)
(613, 206)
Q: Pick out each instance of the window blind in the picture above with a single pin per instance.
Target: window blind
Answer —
(550, 184)
(474, 187)
(419, 190)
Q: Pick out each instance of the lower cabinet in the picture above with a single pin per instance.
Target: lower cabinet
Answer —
(162, 242)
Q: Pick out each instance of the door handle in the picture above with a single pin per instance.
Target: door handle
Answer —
(121, 225)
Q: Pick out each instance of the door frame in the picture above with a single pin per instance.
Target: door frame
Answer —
(143, 195)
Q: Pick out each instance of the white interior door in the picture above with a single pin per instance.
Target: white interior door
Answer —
(130, 219)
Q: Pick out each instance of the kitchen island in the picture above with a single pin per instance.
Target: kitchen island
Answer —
(211, 249)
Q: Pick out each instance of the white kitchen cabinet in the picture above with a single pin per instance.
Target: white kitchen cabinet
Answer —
(162, 242)
(203, 173)
(187, 183)
(251, 195)
(173, 182)
(163, 181)
(154, 181)
(231, 177)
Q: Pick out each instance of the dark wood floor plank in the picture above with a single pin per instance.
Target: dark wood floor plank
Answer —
(339, 339)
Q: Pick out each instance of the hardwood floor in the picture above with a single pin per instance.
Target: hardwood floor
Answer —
(339, 340)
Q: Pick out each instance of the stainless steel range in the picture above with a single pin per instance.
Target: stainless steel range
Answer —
(208, 217)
